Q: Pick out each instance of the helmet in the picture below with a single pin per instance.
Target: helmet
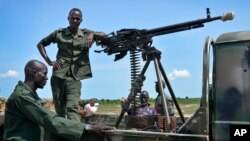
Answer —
(144, 94)
(144, 97)
(157, 85)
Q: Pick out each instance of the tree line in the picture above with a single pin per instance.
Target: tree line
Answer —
(185, 100)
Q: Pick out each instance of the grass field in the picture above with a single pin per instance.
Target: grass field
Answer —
(188, 106)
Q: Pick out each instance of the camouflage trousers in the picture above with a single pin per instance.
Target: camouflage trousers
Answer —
(66, 97)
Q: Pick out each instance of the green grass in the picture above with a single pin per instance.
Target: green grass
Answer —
(188, 106)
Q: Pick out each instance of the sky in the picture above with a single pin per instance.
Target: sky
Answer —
(24, 23)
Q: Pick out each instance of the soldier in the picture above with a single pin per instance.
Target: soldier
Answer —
(72, 63)
(159, 106)
(26, 118)
(144, 108)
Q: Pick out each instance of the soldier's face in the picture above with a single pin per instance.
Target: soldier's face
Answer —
(144, 99)
(41, 77)
(75, 19)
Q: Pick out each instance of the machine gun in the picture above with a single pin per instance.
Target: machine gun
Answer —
(124, 40)
(140, 40)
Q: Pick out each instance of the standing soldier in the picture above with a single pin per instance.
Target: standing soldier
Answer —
(71, 65)
(159, 106)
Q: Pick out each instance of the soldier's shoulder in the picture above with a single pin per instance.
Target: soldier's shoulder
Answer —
(21, 89)
(86, 30)
(18, 93)
(61, 30)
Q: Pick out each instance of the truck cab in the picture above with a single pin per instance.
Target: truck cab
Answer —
(229, 93)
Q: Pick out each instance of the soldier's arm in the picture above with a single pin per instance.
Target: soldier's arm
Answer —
(41, 47)
(49, 120)
(93, 36)
(98, 35)
(43, 53)
(55, 124)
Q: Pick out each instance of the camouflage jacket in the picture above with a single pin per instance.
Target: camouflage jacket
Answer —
(159, 106)
(26, 119)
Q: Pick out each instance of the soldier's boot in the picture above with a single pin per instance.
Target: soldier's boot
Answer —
(173, 123)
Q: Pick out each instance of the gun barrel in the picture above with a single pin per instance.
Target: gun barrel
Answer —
(129, 39)
(187, 25)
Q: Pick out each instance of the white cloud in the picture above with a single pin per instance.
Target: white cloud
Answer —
(9, 73)
(175, 74)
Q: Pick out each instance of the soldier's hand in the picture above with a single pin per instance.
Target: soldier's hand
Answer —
(56, 65)
(97, 128)
(82, 113)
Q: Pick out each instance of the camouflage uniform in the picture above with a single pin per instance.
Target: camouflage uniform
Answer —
(26, 119)
(159, 106)
(159, 109)
(73, 57)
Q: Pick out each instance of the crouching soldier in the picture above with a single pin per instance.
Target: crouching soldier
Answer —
(26, 118)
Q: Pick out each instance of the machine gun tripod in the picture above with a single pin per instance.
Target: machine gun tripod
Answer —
(151, 54)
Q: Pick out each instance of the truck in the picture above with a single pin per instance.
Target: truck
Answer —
(224, 100)
(224, 107)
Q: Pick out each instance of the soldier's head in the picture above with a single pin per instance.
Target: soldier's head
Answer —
(36, 74)
(144, 97)
(75, 18)
(157, 86)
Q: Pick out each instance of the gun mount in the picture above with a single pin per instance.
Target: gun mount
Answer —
(124, 40)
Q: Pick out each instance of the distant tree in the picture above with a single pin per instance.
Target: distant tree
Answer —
(102, 100)
(107, 100)
(186, 97)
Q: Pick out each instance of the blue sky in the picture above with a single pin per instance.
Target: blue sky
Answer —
(24, 23)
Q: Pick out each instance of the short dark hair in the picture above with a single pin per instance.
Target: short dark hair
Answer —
(31, 66)
(75, 9)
